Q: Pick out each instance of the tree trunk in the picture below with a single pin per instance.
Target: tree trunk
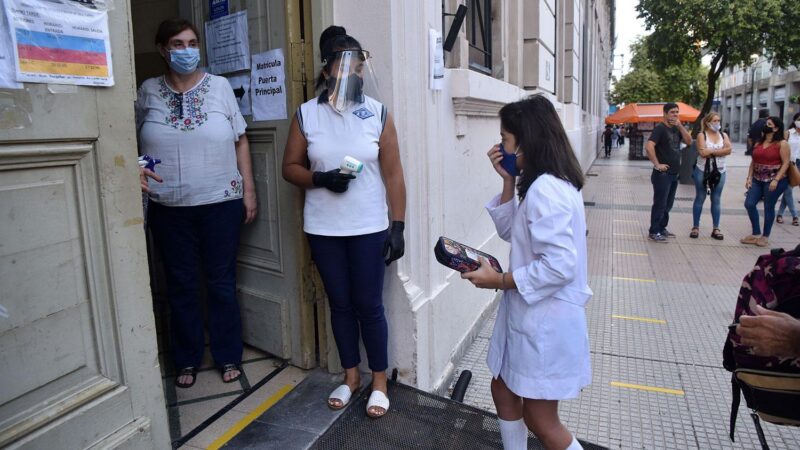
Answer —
(718, 64)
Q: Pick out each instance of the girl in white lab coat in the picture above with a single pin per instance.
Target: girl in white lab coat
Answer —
(539, 352)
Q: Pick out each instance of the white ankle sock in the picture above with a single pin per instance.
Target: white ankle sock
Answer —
(514, 434)
(574, 445)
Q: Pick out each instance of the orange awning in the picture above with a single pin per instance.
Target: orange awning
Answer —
(650, 112)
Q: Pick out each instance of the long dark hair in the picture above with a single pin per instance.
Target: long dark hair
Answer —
(777, 134)
(333, 39)
(545, 146)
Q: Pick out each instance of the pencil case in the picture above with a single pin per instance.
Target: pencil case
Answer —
(460, 257)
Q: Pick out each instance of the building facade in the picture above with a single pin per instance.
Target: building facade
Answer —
(773, 88)
(74, 280)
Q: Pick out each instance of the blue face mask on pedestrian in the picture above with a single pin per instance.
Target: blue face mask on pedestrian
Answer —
(509, 162)
(184, 61)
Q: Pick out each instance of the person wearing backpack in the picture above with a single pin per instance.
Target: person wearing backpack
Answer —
(766, 178)
(709, 172)
(787, 200)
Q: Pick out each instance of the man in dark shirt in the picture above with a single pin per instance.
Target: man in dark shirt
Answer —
(607, 137)
(754, 134)
(664, 151)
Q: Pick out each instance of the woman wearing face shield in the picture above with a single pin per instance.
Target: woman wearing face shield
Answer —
(346, 216)
(191, 122)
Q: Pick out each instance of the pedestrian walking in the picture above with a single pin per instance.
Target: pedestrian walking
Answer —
(539, 350)
(607, 138)
(615, 136)
(766, 178)
(787, 199)
(713, 146)
(621, 140)
(346, 216)
(664, 151)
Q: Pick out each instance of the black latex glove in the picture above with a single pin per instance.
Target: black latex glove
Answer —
(395, 245)
(333, 180)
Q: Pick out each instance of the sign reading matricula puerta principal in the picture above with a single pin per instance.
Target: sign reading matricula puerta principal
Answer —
(268, 85)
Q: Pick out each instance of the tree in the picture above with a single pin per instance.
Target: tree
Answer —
(645, 82)
(728, 31)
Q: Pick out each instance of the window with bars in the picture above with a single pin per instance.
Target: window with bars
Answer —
(479, 35)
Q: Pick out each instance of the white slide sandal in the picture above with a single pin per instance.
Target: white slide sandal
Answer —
(377, 400)
(342, 394)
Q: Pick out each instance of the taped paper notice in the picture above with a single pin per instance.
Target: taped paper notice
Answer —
(436, 60)
(8, 71)
(59, 42)
(227, 47)
(241, 89)
(268, 84)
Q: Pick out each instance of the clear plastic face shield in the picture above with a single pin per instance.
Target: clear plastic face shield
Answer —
(350, 78)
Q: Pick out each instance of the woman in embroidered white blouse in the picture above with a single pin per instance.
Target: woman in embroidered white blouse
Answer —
(191, 122)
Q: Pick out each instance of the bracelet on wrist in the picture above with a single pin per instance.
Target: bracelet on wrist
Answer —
(503, 281)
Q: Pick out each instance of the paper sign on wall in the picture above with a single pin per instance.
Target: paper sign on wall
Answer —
(241, 89)
(268, 84)
(227, 47)
(59, 42)
(8, 71)
(436, 60)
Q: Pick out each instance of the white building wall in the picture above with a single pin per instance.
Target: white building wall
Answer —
(444, 136)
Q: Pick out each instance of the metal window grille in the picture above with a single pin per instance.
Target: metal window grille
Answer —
(479, 35)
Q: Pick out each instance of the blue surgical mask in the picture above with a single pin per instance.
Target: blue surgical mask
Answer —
(184, 61)
(509, 162)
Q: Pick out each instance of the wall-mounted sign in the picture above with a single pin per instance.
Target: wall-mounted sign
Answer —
(59, 42)
(227, 47)
(217, 9)
(268, 86)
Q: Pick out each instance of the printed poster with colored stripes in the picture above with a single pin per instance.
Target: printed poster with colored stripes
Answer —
(60, 42)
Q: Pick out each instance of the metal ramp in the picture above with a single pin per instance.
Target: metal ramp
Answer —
(417, 420)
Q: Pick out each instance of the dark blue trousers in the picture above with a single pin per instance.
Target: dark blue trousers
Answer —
(757, 191)
(352, 269)
(665, 185)
(192, 239)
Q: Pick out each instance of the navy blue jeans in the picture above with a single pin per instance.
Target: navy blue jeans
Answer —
(664, 186)
(700, 198)
(757, 191)
(352, 269)
(192, 239)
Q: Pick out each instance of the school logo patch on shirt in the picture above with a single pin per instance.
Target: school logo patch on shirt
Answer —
(363, 113)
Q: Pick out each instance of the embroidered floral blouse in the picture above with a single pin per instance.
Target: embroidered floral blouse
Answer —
(194, 134)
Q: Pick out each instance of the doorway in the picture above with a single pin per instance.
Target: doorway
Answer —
(277, 302)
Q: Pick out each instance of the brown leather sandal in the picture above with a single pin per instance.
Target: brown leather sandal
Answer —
(695, 233)
(716, 234)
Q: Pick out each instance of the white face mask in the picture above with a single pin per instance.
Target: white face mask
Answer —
(797, 123)
(715, 127)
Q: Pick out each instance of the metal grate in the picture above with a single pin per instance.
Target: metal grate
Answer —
(417, 420)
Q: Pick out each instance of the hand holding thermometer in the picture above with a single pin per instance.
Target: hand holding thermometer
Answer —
(350, 165)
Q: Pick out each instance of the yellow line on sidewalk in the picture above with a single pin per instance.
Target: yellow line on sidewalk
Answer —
(245, 421)
(630, 254)
(647, 388)
(641, 280)
(628, 235)
(640, 319)
(626, 221)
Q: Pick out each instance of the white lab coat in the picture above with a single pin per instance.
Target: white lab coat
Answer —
(540, 345)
